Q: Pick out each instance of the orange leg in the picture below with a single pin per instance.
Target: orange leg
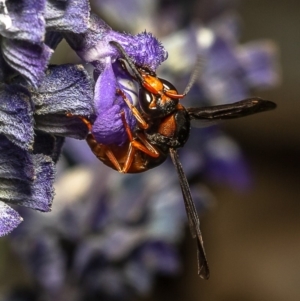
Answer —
(103, 152)
(142, 123)
(83, 119)
(135, 145)
(98, 147)
(110, 155)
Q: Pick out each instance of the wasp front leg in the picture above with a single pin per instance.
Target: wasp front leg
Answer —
(142, 122)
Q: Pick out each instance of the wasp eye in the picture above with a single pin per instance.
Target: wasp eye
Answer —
(167, 85)
(145, 98)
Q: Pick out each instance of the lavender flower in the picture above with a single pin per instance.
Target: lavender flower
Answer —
(35, 101)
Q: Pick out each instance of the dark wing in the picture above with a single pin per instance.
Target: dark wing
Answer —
(192, 214)
(238, 109)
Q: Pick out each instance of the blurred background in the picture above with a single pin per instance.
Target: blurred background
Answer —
(251, 236)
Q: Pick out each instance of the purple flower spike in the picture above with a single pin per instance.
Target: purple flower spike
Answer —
(28, 59)
(9, 219)
(93, 46)
(108, 127)
(67, 15)
(16, 115)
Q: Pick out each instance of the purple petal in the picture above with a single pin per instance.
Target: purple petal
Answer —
(43, 191)
(16, 163)
(139, 277)
(9, 219)
(16, 116)
(25, 179)
(39, 193)
(224, 75)
(42, 188)
(228, 26)
(225, 163)
(28, 59)
(222, 58)
(48, 264)
(65, 89)
(28, 22)
(93, 46)
(221, 91)
(259, 61)
(144, 49)
(160, 257)
(119, 243)
(108, 127)
(44, 259)
(67, 15)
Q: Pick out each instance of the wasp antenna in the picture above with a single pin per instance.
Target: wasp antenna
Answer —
(196, 72)
(128, 60)
(194, 223)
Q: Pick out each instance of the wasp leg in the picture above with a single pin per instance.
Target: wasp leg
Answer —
(97, 148)
(142, 122)
(83, 119)
(151, 150)
(134, 145)
(110, 155)
(102, 152)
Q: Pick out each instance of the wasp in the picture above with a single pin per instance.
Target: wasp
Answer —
(163, 127)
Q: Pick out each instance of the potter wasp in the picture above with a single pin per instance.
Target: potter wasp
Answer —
(163, 127)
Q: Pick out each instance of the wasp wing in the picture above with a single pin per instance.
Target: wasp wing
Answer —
(238, 109)
(194, 223)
